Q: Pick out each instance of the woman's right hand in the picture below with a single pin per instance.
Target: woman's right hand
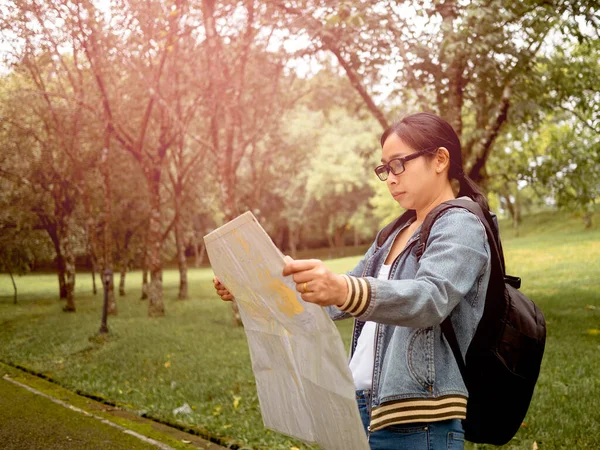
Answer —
(222, 291)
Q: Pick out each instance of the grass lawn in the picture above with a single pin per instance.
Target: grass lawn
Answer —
(194, 356)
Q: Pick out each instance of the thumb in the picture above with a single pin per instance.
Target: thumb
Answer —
(286, 268)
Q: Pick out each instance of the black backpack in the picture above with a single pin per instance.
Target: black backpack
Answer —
(503, 360)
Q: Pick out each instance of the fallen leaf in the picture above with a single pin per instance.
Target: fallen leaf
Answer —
(236, 401)
(534, 446)
(185, 441)
(590, 307)
(167, 364)
(217, 410)
(227, 426)
(523, 425)
(294, 448)
(593, 332)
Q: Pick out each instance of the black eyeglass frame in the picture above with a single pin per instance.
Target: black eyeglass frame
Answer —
(386, 168)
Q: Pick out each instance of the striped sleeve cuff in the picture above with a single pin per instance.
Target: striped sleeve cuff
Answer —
(359, 295)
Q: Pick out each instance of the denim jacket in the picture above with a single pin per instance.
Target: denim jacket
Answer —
(415, 376)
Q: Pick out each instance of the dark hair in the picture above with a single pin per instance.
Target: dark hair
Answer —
(425, 130)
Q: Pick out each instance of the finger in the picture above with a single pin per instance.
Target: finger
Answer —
(287, 259)
(311, 297)
(302, 277)
(303, 287)
(300, 265)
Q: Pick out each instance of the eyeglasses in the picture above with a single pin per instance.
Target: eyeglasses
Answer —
(396, 165)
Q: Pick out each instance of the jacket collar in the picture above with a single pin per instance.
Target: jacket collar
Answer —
(396, 224)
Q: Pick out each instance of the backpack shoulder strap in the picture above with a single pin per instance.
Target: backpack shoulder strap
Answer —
(394, 225)
(448, 331)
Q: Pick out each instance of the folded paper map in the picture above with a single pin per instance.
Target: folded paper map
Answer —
(304, 386)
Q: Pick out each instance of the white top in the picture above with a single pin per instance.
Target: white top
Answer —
(361, 364)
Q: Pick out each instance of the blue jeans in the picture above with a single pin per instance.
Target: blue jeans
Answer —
(447, 434)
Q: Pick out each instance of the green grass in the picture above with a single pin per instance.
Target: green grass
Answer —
(194, 356)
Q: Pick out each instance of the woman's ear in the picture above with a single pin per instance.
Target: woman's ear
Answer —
(442, 160)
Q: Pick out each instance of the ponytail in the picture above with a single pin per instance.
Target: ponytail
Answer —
(468, 188)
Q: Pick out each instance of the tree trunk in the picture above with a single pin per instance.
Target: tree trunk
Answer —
(181, 261)
(112, 304)
(156, 307)
(228, 202)
(52, 229)
(14, 286)
(330, 246)
(452, 102)
(145, 283)
(281, 238)
(199, 255)
(293, 241)
(517, 212)
(107, 253)
(513, 208)
(122, 275)
(339, 241)
(94, 289)
(62, 283)
(92, 245)
(587, 216)
(60, 264)
(302, 241)
(508, 201)
(481, 149)
(124, 262)
(196, 252)
(69, 260)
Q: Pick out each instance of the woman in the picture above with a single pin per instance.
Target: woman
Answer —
(408, 385)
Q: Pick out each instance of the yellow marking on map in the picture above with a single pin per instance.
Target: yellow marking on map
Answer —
(286, 298)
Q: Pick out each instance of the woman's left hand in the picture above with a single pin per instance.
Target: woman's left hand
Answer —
(316, 282)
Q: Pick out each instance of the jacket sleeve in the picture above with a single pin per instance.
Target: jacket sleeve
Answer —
(336, 313)
(455, 257)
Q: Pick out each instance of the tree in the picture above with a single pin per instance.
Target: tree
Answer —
(149, 52)
(569, 167)
(339, 172)
(462, 60)
(554, 142)
(40, 143)
(22, 241)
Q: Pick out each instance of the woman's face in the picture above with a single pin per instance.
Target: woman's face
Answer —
(419, 184)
